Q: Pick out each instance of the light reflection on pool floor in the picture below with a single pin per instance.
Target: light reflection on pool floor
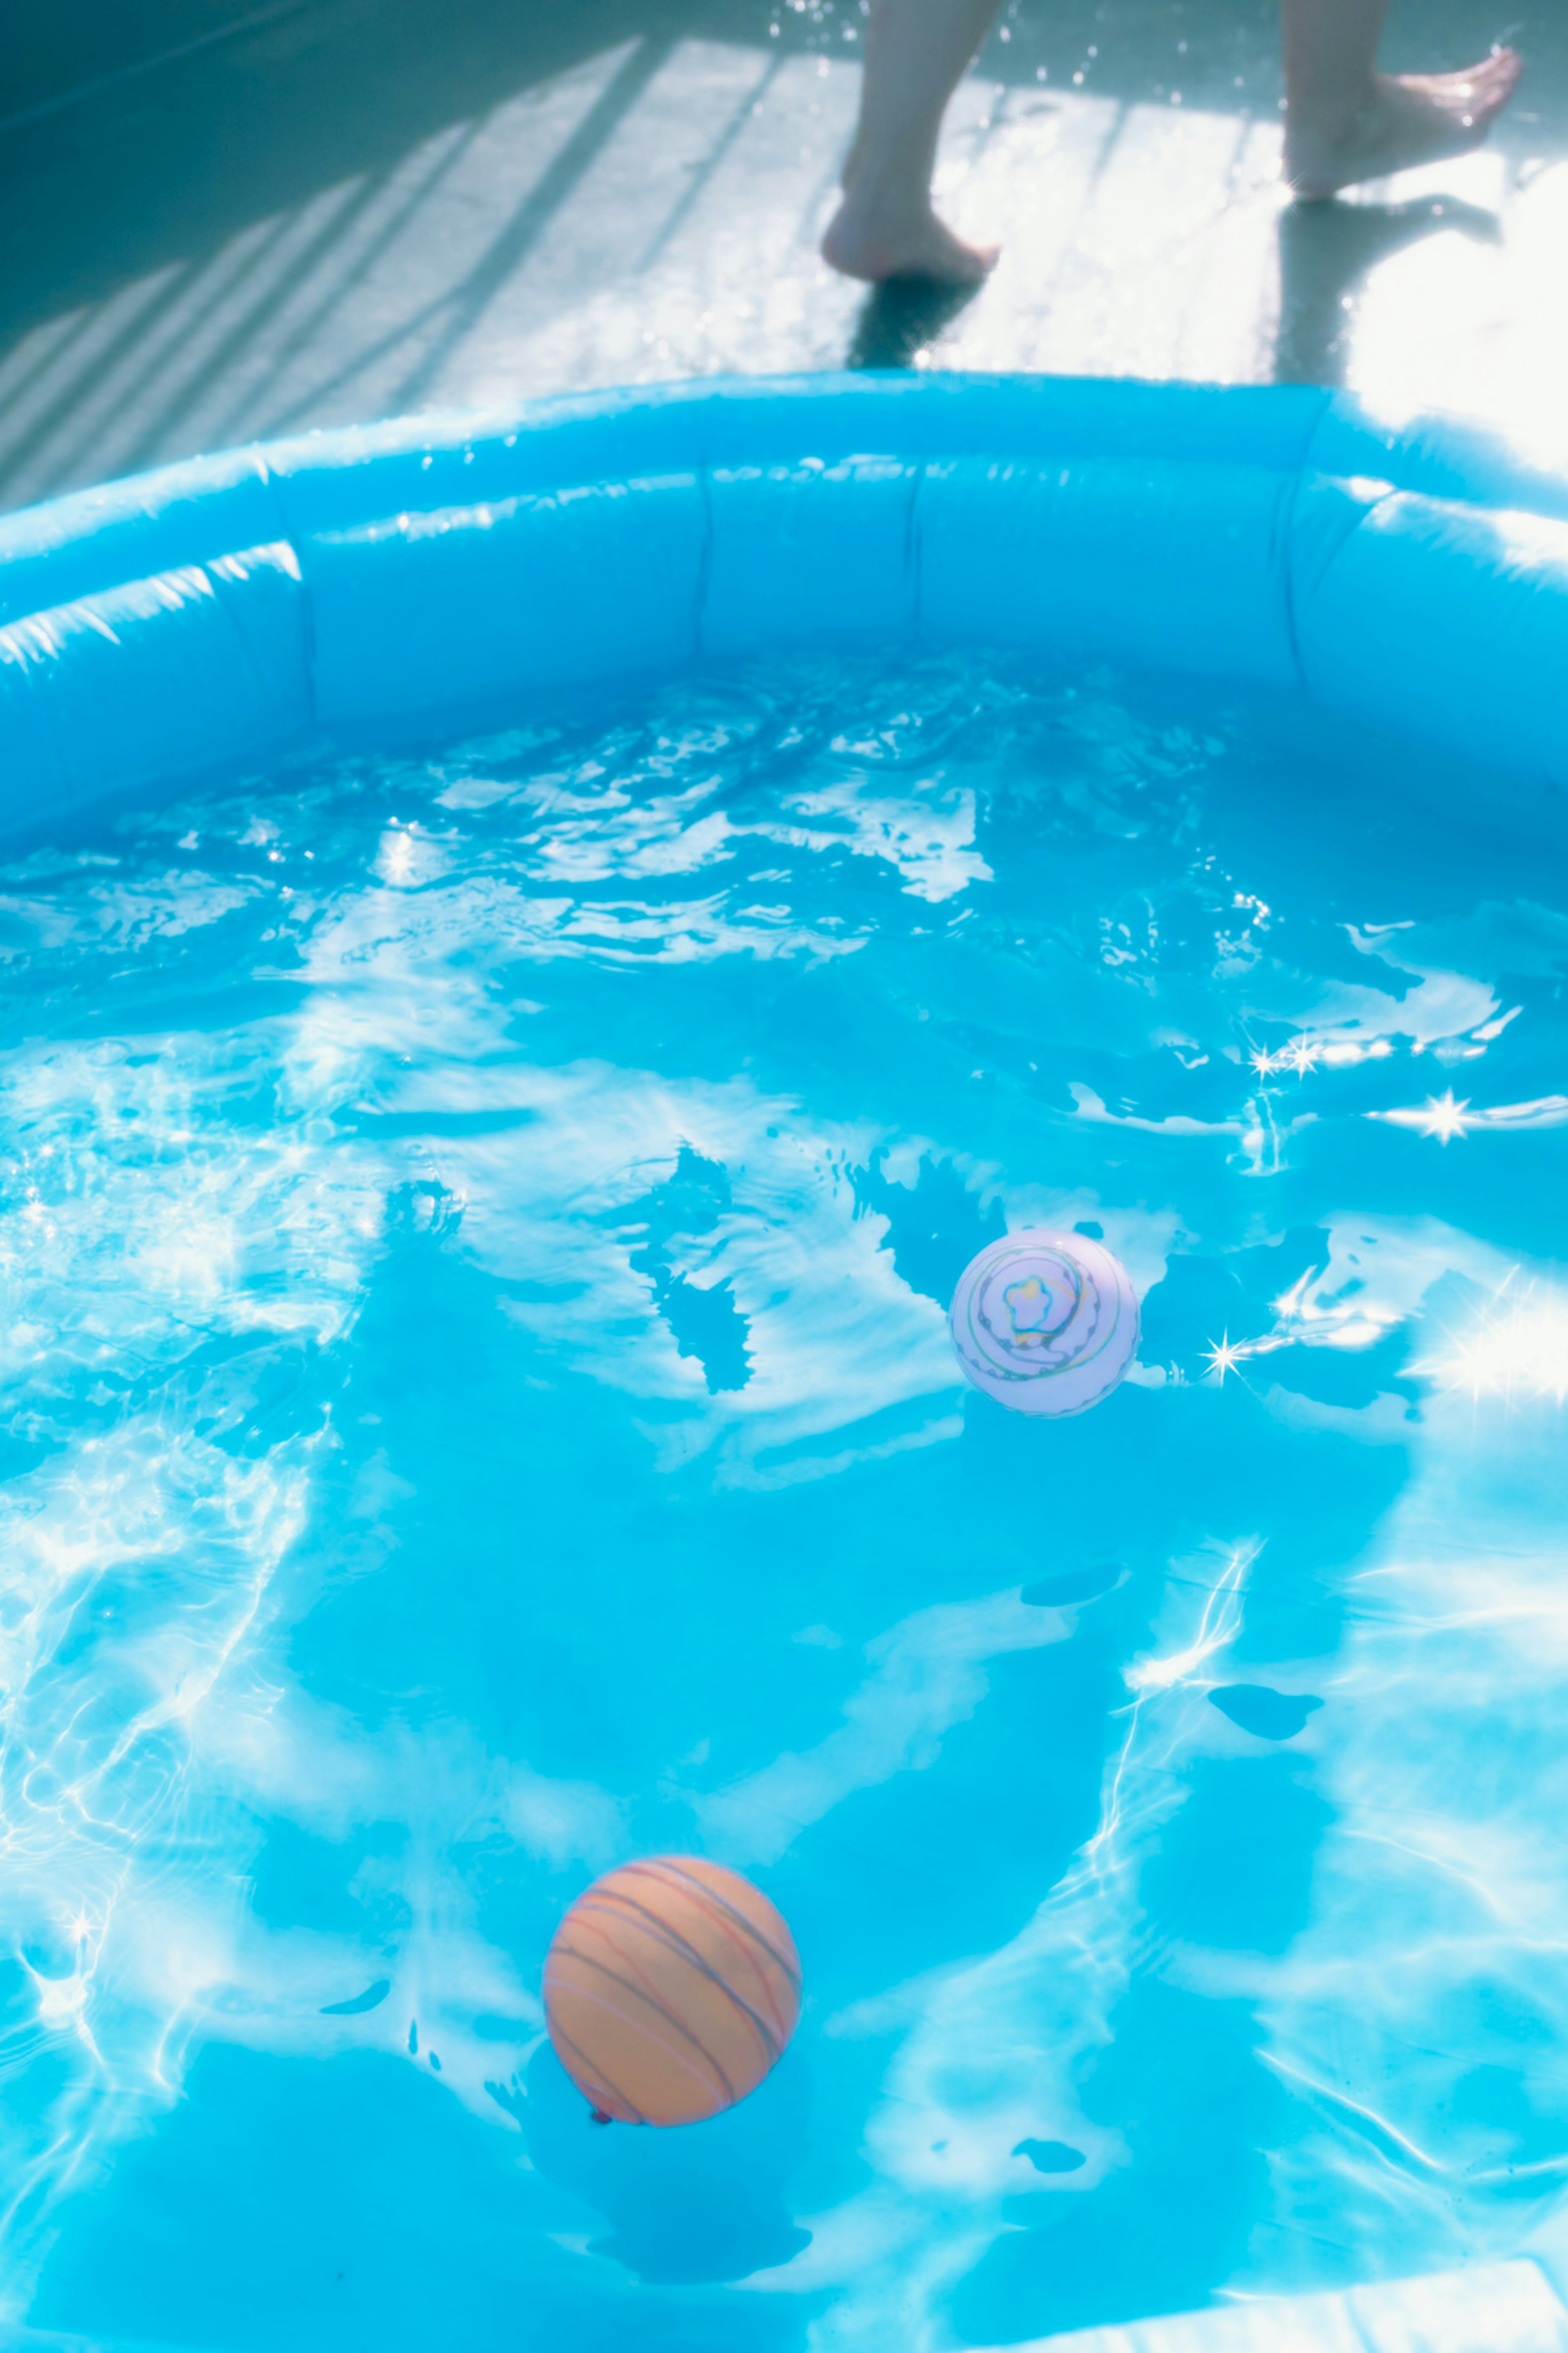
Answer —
(476, 1236)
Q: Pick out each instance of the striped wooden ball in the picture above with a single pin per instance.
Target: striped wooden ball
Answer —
(671, 1988)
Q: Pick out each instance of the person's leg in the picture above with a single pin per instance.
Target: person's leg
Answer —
(1345, 121)
(916, 51)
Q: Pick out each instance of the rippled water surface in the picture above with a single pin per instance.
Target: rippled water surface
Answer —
(475, 1236)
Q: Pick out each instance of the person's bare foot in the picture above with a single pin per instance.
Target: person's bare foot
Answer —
(876, 240)
(1409, 118)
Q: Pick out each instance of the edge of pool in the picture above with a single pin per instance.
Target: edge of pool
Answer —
(1410, 576)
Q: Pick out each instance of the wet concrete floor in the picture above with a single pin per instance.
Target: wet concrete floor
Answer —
(219, 222)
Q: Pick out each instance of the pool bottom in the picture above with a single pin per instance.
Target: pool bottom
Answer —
(481, 1229)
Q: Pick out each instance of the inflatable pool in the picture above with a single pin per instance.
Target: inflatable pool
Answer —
(408, 573)
(540, 950)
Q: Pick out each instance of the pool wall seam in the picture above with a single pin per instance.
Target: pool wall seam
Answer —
(704, 560)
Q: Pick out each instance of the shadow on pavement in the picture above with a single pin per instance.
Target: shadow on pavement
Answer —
(1327, 251)
(901, 317)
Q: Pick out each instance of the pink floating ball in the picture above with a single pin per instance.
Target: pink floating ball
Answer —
(1045, 1322)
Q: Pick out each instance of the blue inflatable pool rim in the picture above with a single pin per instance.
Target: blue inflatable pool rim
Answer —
(386, 578)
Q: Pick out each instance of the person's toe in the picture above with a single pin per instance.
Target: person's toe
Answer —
(968, 264)
(1497, 86)
(1483, 89)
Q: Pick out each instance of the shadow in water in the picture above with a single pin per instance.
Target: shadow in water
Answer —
(683, 2207)
(902, 316)
(1182, 2084)
(393, 2216)
(1326, 253)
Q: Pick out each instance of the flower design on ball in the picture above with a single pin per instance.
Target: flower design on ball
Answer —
(1045, 1323)
(1038, 1307)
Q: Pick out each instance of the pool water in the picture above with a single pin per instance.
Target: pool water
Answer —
(477, 1237)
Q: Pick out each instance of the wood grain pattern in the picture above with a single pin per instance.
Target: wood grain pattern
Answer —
(670, 1990)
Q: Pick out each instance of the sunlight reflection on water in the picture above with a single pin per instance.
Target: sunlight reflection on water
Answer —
(476, 1238)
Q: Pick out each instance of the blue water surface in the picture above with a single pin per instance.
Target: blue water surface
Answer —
(477, 1233)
